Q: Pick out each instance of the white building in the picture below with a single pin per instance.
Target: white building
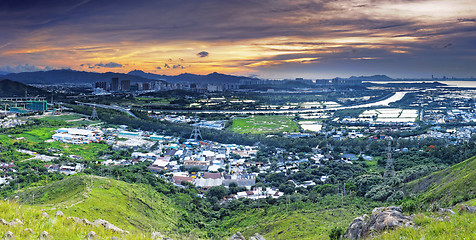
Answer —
(77, 136)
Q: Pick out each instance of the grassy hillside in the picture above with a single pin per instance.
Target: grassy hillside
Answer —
(447, 187)
(57, 227)
(297, 219)
(433, 226)
(10, 88)
(132, 207)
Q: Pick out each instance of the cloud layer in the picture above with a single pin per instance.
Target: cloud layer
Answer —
(271, 38)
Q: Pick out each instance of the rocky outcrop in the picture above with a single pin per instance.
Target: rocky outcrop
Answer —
(44, 236)
(44, 215)
(239, 236)
(9, 236)
(14, 222)
(59, 214)
(445, 211)
(92, 236)
(98, 222)
(383, 218)
(257, 236)
(466, 208)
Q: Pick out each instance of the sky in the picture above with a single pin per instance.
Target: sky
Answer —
(272, 39)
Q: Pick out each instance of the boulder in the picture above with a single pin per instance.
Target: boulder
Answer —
(354, 231)
(4, 222)
(59, 214)
(466, 208)
(28, 230)
(384, 218)
(445, 211)
(237, 236)
(44, 236)
(44, 215)
(9, 236)
(257, 236)
(91, 235)
(157, 235)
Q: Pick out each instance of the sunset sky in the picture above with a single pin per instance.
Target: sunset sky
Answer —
(266, 38)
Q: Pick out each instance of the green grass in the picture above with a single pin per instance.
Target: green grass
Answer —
(68, 117)
(447, 187)
(458, 226)
(136, 208)
(57, 227)
(259, 124)
(298, 220)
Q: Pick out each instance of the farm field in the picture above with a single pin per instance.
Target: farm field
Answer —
(264, 124)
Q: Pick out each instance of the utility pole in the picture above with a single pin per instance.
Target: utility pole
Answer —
(389, 168)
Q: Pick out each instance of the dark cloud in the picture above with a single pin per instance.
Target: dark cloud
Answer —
(178, 66)
(202, 54)
(24, 68)
(84, 26)
(158, 68)
(109, 65)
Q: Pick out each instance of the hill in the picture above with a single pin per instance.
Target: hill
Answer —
(447, 187)
(81, 77)
(69, 76)
(9, 88)
(25, 222)
(135, 208)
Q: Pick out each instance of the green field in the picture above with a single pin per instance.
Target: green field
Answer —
(259, 124)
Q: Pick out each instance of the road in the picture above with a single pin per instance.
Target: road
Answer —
(114, 107)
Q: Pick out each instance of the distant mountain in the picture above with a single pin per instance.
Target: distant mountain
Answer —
(372, 78)
(9, 88)
(78, 77)
(69, 76)
(193, 78)
(3, 73)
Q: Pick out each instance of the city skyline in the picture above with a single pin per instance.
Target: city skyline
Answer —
(267, 39)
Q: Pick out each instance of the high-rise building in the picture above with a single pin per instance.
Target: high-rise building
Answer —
(115, 84)
(102, 85)
(145, 86)
(125, 85)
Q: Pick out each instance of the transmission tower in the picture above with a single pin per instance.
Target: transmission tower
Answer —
(94, 115)
(195, 132)
(389, 168)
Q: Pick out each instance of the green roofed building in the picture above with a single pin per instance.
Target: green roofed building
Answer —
(36, 105)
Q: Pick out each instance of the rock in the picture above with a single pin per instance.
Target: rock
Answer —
(28, 230)
(257, 236)
(75, 219)
(354, 231)
(237, 236)
(16, 222)
(59, 214)
(157, 235)
(92, 235)
(44, 215)
(4, 222)
(390, 208)
(9, 236)
(107, 225)
(87, 222)
(444, 211)
(466, 208)
(44, 236)
(384, 218)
